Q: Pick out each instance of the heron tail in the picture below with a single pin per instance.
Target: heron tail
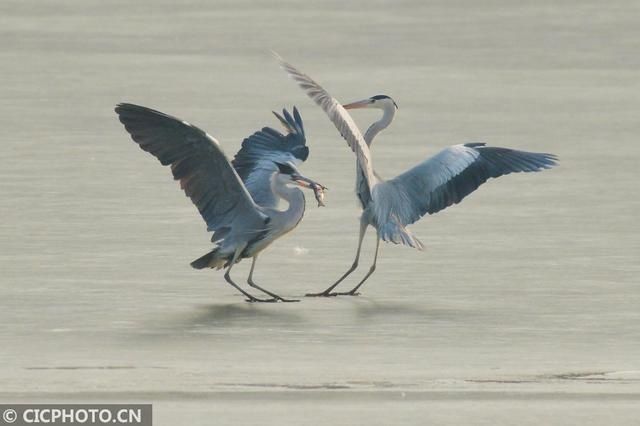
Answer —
(394, 232)
(210, 260)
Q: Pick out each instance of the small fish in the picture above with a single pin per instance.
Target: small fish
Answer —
(318, 191)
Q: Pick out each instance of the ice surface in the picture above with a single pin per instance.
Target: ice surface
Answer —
(523, 309)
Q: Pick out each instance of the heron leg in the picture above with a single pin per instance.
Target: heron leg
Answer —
(228, 279)
(354, 291)
(256, 286)
(363, 229)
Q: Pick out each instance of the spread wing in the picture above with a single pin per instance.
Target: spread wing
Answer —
(338, 116)
(255, 162)
(197, 161)
(454, 173)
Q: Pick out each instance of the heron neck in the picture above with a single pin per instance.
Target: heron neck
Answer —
(288, 219)
(388, 113)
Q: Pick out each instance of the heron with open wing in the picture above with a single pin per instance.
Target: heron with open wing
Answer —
(237, 199)
(432, 185)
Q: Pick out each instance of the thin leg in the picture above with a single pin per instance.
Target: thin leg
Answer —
(228, 279)
(354, 291)
(254, 285)
(327, 292)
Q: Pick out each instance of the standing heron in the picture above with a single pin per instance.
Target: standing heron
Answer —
(238, 200)
(433, 185)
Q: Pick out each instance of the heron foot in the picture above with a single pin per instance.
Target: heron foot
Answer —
(321, 294)
(282, 299)
(333, 294)
(346, 293)
(257, 300)
(272, 300)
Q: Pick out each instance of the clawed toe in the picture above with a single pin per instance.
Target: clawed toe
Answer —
(347, 293)
(333, 294)
(272, 300)
(323, 294)
(256, 300)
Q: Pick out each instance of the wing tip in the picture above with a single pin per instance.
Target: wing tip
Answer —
(276, 55)
(122, 107)
(126, 107)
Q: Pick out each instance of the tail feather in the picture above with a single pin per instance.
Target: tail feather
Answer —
(213, 259)
(394, 232)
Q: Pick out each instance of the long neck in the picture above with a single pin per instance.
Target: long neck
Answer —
(387, 117)
(286, 220)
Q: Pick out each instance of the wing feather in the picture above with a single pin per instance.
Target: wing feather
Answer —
(198, 162)
(255, 162)
(452, 174)
(338, 116)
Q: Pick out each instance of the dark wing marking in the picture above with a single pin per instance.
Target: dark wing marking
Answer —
(256, 161)
(270, 144)
(454, 173)
(197, 161)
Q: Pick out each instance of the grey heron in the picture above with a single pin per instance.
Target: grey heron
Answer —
(433, 185)
(238, 200)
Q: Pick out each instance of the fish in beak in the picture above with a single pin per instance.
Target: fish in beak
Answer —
(318, 189)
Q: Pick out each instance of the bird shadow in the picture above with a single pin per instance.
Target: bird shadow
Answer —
(222, 318)
(223, 315)
(367, 309)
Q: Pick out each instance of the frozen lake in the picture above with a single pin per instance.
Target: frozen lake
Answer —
(523, 309)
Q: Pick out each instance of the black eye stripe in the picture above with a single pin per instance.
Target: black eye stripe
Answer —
(379, 97)
(285, 169)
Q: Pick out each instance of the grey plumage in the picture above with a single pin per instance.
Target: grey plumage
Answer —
(198, 162)
(338, 116)
(255, 161)
(242, 227)
(455, 172)
(431, 186)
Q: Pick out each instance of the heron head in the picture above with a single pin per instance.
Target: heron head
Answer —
(288, 173)
(377, 101)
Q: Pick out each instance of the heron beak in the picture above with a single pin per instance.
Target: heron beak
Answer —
(359, 104)
(318, 189)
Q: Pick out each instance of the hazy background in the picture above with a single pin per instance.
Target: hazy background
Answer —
(523, 309)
